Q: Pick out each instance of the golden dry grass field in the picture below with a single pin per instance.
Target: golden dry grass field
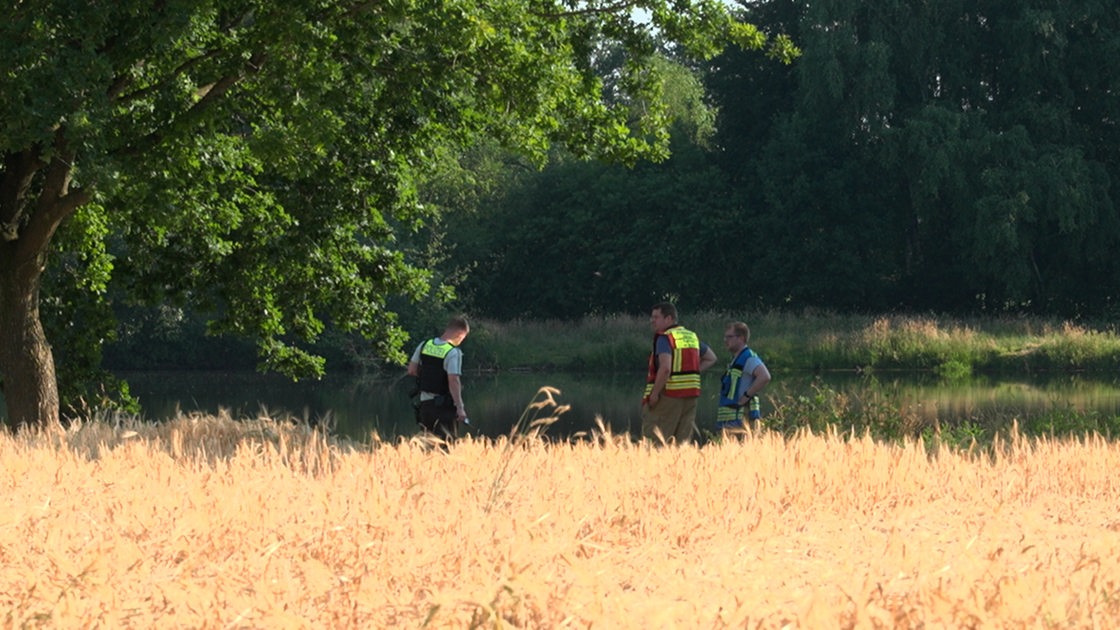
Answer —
(208, 523)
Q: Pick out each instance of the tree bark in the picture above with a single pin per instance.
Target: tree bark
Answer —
(27, 371)
(26, 360)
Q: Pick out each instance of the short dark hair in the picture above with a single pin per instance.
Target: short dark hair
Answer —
(458, 322)
(667, 309)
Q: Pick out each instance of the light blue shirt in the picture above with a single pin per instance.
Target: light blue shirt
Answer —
(747, 379)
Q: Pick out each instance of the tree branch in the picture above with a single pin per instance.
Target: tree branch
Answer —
(610, 8)
(209, 94)
(56, 202)
(123, 81)
(19, 169)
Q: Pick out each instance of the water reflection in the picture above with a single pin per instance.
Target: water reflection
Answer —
(359, 406)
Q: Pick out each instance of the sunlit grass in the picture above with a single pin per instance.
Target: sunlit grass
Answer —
(592, 344)
(813, 340)
(960, 416)
(210, 522)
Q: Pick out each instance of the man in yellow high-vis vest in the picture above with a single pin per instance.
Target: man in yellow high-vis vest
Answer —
(673, 379)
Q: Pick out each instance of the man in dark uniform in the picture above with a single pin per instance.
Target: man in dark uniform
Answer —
(437, 365)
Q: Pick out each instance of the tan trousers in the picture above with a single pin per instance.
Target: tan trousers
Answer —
(674, 417)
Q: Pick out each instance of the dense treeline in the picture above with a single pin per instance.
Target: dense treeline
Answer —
(959, 156)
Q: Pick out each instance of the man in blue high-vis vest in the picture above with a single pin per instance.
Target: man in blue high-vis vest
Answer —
(745, 377)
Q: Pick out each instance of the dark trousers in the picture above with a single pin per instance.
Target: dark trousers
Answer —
(438, 419)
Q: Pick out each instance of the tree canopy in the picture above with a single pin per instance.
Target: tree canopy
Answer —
(259, 160)
(958, 157)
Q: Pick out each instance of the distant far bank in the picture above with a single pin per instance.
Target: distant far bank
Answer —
(805, 340)
(810, 340)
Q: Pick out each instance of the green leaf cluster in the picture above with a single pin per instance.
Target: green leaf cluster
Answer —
(262, 161)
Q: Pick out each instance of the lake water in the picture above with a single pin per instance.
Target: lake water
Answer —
(356, 406)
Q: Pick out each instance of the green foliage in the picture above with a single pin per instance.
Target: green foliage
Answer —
(1078, 349)
(878, 414)
(944, 156)
(79, 316)
(603, 240)
(883, 417)
(261, 162)
(966, 435)
(1061, 422)
(953, 370)
(169, 338)
(816, 412)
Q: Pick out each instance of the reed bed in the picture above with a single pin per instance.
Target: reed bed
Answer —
(209, 523)
(954, 347)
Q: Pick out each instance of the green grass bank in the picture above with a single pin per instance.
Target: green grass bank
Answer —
(953, 347)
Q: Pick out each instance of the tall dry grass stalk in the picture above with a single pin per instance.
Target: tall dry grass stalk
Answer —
(185, 525)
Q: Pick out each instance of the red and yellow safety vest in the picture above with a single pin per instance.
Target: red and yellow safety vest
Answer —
(684, 377)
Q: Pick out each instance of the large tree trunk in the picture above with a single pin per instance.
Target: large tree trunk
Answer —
(26, 361)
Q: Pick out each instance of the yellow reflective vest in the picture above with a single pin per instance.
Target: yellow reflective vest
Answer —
(684, 377)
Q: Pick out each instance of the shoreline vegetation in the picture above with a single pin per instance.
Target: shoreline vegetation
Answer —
(803, 340)
(951, 347)
(954, 349)
(275, 524)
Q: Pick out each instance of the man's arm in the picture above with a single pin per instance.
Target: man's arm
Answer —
(708, 359)
(664, 369)
(761, 378)
(455, 384)
(414, 362)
